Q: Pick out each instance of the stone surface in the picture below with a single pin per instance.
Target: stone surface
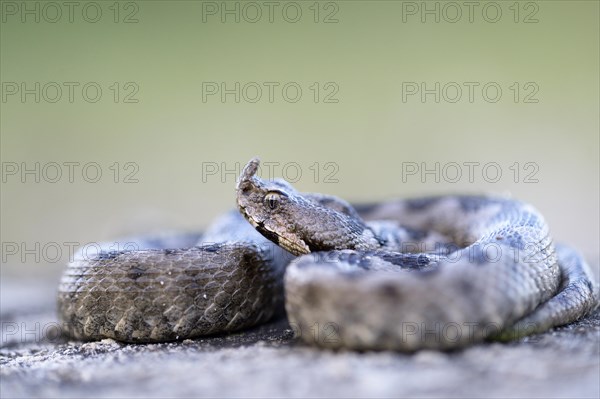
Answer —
(268, 362)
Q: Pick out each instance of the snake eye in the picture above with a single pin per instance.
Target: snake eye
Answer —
(272, 199)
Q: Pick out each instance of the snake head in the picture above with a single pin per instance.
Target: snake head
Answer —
(293, 220)
(263, 204)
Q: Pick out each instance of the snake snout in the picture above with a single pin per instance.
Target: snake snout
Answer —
(249, 171)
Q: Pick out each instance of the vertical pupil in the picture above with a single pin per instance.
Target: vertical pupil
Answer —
(272, 203)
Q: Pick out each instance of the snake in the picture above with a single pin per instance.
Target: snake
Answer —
(438, 272)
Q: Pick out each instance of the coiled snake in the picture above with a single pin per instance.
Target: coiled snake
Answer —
(438, 272)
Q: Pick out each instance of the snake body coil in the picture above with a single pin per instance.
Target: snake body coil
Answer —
(438, 272)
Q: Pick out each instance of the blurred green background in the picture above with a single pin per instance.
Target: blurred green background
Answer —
(358, 121)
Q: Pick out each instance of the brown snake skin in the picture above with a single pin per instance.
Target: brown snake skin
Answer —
(484, 267)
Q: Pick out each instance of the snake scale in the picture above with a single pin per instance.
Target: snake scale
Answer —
(437, 272)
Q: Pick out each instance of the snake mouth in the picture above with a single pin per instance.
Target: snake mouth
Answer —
(295, 246)
(249, 218)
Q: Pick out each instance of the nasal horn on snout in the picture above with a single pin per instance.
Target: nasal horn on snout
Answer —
(248, 173)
